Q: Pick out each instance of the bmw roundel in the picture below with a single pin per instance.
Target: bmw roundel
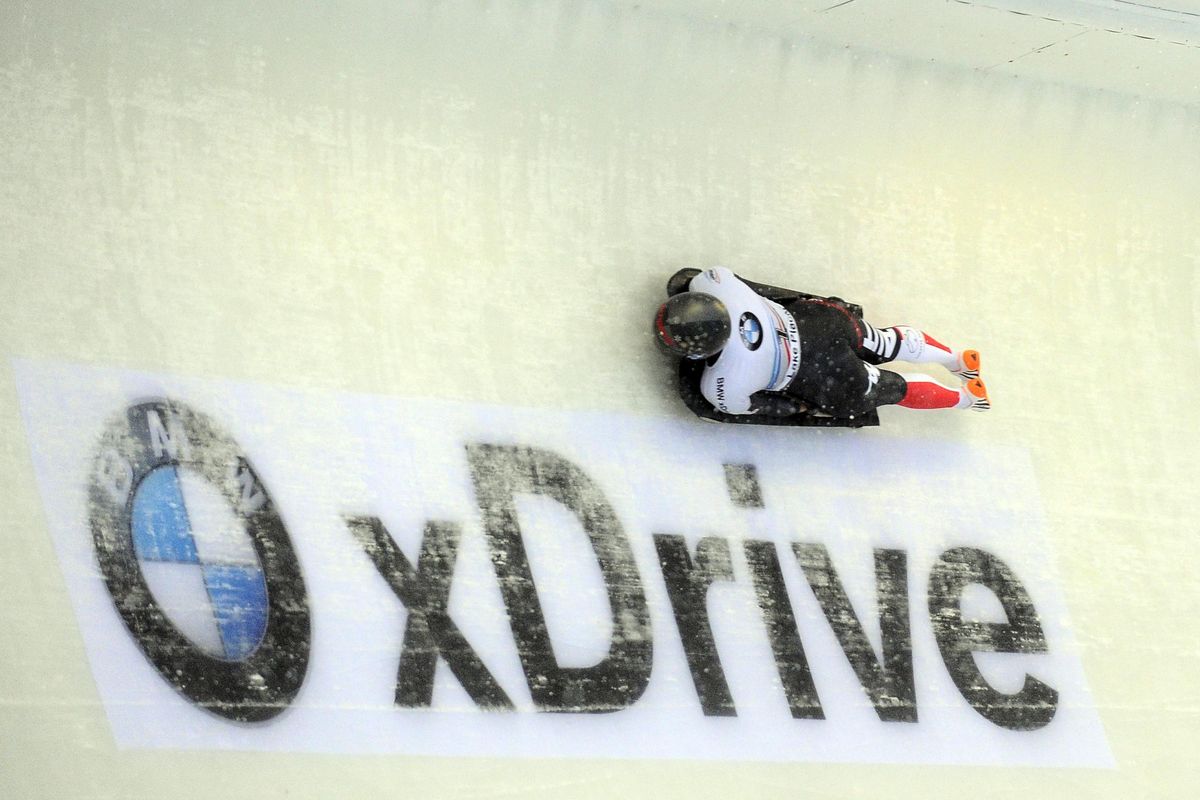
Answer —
(751, 330)
(198, 561)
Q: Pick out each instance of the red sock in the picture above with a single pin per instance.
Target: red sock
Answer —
(924, 392)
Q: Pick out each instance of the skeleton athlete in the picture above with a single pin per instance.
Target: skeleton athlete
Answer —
(777, 360)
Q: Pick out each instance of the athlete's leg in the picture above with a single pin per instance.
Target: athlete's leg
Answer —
(836, 381)
(846, 386)
(922, 391)
(905, 343)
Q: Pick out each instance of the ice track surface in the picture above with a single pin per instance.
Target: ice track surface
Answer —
(480, 202)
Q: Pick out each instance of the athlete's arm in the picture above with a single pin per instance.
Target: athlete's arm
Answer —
(710, 278)
(697, 280)
(722, 396)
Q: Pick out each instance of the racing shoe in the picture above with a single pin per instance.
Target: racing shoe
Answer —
(968, 368)
(974, 396)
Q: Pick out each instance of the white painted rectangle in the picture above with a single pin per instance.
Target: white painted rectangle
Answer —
(325, 455)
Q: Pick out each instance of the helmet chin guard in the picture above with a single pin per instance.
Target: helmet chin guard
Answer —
(692, 325)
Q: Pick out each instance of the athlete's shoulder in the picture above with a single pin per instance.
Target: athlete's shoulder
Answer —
(712, 278)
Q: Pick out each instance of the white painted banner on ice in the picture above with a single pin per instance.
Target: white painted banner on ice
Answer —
(270, 569)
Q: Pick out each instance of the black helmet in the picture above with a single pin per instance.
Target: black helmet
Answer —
(693, 324)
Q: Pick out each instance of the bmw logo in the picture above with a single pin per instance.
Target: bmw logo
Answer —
(751, 330)
(198, 562)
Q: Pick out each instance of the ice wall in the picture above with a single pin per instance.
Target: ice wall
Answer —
(481, 202)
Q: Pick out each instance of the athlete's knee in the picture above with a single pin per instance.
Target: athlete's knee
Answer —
(879, 345)
(876, 387)
(890, 388)
(860, 391)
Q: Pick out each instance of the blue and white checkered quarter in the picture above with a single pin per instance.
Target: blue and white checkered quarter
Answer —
(199, 562)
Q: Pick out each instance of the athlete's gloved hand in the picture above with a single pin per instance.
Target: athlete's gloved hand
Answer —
(775, 404)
